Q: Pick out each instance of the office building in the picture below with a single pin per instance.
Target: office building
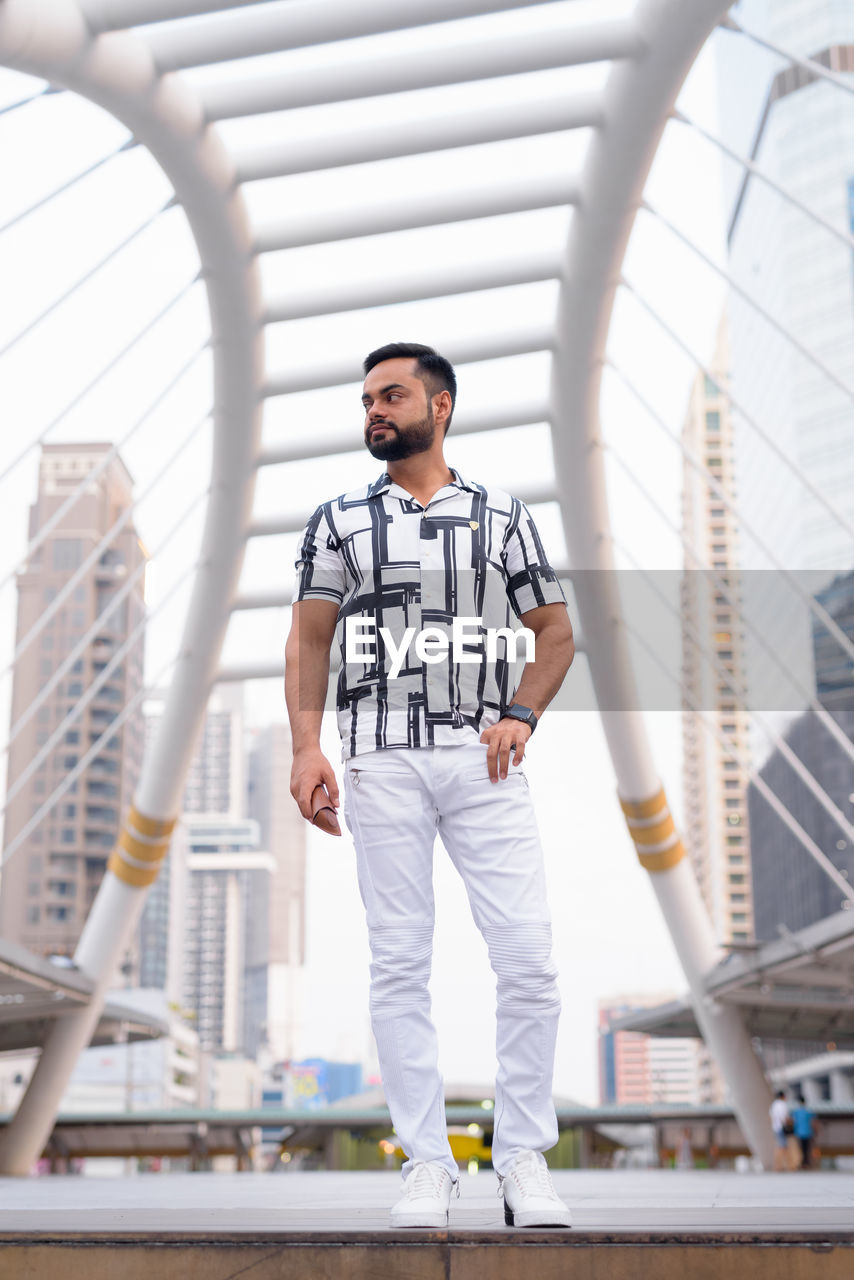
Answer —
(277, 979)
(215, 784)
(798, 129)
(50, 882)
(216, 778)
(224, 932)
(715, 812)
(789, 888)
(162, 922)
(639, 1069)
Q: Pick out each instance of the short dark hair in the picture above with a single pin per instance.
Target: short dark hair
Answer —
(435, 371)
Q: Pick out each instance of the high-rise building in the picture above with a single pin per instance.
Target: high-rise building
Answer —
(277, 979)
(270, 954)
(161, 926)
(790, 889)
(641, 1069)
(224, 932)
(714, 787)
(800, 133)
(49, 883)
(216, 778)
(214, 784)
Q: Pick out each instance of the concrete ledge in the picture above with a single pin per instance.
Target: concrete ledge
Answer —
(656, 1224)
(451, 1255)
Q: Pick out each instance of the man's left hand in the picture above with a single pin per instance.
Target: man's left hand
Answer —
(502, 738)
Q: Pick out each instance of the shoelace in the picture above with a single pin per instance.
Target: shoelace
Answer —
(531, 1176)
(427, 1179)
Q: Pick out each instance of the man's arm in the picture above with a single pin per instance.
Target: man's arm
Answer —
(306, 681)
(541, 679)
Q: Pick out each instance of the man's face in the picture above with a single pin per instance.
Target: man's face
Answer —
(398, 411)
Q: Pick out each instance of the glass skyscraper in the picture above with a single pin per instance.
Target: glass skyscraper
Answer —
(799, 130)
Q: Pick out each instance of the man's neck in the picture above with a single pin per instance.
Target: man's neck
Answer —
(420, 476)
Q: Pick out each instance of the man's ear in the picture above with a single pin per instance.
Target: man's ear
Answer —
(442, 403)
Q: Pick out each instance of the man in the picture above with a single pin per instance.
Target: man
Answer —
(420, 574)
(781, 1127)
(804, 1130)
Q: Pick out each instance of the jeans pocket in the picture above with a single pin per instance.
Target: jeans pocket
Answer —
(482, 775)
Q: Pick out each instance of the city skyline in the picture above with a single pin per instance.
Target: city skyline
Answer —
(553, 757)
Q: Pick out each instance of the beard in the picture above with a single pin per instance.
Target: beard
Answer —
(417, 437)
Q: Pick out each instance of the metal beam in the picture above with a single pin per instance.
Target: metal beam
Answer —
(300, 24)
(274, 669)
(426, 68)
(118, 15)
(56, 44)
(290, 155)
(435, 283)
(502, 419)
(640, 96)
(325, 225)
(464, 351)
(295, 521)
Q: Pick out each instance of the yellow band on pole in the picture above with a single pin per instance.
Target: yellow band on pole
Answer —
(139, 877)
(665, 860)
(657, 843)
(150, 826)
(644, 808)
(653, 835)
(142, 851)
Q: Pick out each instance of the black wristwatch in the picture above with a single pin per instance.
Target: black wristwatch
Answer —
(517, 712)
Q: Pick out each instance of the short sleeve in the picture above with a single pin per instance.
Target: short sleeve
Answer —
(320, 570)
(531, 581)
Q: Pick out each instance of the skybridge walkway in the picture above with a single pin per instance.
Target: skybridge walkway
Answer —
(667, 1224)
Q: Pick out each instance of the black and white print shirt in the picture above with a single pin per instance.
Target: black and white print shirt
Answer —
(391, 563)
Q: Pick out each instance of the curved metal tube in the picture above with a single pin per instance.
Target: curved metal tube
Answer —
(51, 39)
(639, 99)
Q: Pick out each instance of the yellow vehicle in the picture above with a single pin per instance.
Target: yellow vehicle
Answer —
(467, 1144)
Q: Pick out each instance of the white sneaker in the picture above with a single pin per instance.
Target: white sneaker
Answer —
(426, 1196)
(530, 1200)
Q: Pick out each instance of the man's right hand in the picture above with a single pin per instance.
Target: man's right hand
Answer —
(310, 769)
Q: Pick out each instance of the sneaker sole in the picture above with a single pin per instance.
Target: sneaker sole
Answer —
(534, 1218)
(419, 1220)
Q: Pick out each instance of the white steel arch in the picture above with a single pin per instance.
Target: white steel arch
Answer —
(640, 96)
(81, 45)
(116, 70)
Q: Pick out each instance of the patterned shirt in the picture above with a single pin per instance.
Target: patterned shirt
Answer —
(391, 564)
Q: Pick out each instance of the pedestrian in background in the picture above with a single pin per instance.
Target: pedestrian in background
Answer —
(782, 1125)
(804, 1128)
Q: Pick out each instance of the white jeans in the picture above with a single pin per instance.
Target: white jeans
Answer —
(395, 801)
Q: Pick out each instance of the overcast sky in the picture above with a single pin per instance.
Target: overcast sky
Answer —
(609, 935)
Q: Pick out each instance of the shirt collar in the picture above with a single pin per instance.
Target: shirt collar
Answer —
(384, 482)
